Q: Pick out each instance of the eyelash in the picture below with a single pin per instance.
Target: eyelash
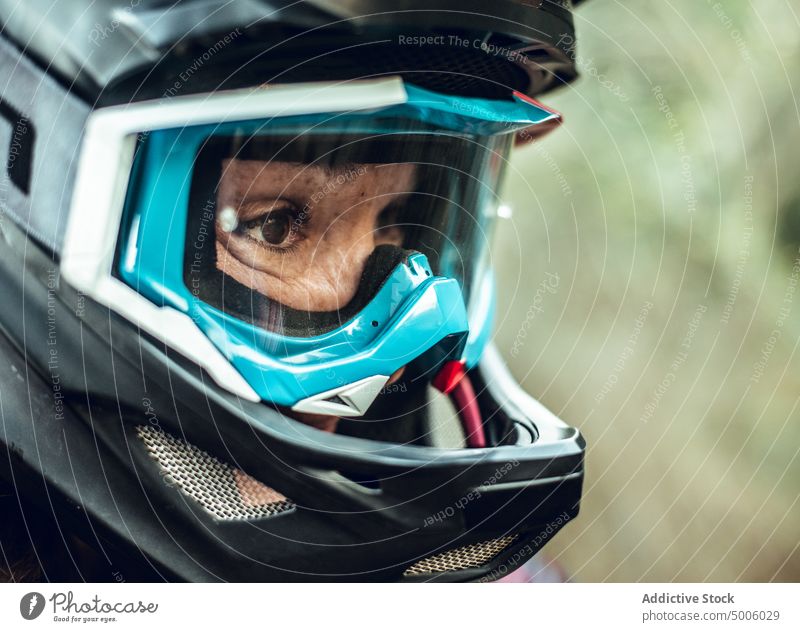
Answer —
(299, 220)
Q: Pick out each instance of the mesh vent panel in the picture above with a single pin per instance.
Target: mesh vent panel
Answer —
(222, 490)
(470, 556)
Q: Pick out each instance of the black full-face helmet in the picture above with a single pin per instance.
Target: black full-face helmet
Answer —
(246, 293)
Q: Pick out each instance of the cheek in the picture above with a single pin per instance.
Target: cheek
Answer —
(354, 232)
(326, 281)
(340, 254)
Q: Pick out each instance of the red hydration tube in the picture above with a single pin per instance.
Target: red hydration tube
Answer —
(453, 380)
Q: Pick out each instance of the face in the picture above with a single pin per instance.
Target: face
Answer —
(301, 234)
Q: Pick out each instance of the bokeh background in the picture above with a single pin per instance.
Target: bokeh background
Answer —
(649, 288)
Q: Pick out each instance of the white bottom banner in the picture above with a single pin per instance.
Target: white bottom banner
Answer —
(350, 607)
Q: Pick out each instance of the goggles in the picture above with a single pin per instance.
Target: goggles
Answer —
(302, 243)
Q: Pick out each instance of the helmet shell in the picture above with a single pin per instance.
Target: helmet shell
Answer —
(118, 50)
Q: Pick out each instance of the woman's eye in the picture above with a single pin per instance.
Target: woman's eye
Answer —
(273, 229)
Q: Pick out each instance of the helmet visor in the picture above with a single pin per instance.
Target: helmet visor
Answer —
(308, 221)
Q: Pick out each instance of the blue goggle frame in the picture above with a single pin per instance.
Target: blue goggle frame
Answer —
(411, 313)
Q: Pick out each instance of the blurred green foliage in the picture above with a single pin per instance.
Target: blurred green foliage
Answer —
(668, 205)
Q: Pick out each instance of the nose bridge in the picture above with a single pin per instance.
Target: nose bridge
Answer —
(350, 245)
(361, 251)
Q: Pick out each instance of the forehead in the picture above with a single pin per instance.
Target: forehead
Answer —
(260, 175)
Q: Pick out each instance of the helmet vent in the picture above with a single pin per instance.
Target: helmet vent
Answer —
(462, 558)
(222, 490)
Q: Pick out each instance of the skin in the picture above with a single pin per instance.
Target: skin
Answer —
(301, 234)
(333, 221)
